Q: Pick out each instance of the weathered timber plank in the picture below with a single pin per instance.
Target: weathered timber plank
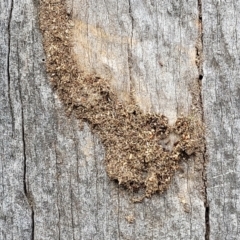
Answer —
(54, 184)
(221, 98)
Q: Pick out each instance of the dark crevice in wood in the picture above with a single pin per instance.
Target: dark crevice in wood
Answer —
(59, 217)
(33, 225)
(97, 178)
(57, 177)
(58, 172)
(72, 209)
(23, 133)
(130, 63)
(207, 212)
(25, 166)
(25, 189)
(190, 203)
(118, 217)
(199, 62)
(199, 45)
(8, 64)
(24, 148)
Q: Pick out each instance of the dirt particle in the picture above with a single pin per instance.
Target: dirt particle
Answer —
(130, 218)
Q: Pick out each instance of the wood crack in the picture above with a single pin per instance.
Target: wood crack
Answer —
(25, 188)
(72, 217)
(130, 63)
(8, 64)
(33, 225)
(199, 62)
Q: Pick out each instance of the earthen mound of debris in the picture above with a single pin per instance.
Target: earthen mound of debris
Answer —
(142, 150)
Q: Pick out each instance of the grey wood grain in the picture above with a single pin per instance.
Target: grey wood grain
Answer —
(221, 98)
(15, 220)
(53, 181)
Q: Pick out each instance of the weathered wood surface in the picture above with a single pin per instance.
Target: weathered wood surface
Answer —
(148, 47)
(221, 98)
(53, 181)
(144, 46)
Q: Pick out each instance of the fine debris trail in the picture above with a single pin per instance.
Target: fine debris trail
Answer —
(142, 151)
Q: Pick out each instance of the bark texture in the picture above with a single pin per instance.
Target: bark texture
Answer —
(53, 180)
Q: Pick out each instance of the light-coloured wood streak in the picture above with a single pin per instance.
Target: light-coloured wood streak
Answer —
(144, 46)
